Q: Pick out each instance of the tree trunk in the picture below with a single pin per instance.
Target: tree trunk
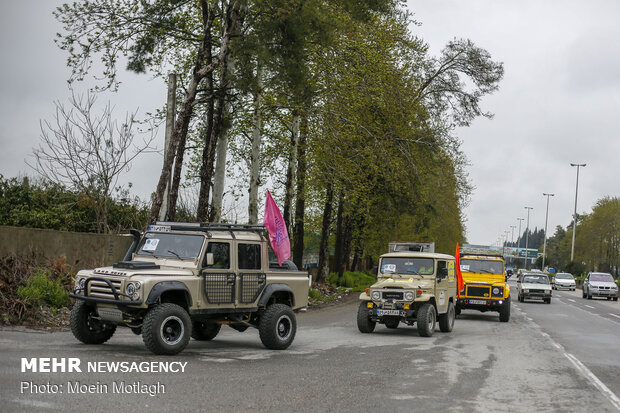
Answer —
(170, 115)
(338, 254)
(290, 171)
(221, 150)
(324, 248)
(300, 205)
(206, 170)
(346, 245)
(176, 179)
(182, 123)
(255, 156)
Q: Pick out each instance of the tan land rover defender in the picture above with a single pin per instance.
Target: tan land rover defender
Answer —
(179, 280)
(412, 287)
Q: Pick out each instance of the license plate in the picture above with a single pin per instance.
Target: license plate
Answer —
(159, 228)
(477, 302)
(388, 312)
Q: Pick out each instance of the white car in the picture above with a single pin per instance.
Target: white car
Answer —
(534, 285)
(564, 281)
(600, 284)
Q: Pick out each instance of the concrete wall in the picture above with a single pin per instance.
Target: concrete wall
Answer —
(83, 250)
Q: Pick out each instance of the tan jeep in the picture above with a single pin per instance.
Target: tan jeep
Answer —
(412, 287)
(180, 280)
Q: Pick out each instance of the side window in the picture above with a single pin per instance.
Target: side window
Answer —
(248, 256)
(441, 267)
(221, 255)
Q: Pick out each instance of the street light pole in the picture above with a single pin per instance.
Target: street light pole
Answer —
(546, 218)
(527, 235)
(572, 249)
(512, 241)
(519, 235)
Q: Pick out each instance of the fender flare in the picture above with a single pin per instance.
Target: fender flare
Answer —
(165, 286)
(275, 288)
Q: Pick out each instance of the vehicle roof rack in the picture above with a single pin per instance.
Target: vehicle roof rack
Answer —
(481, 254)
(207, 227)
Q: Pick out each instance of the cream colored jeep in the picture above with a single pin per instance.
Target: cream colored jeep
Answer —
(180, 280)
(412, 287)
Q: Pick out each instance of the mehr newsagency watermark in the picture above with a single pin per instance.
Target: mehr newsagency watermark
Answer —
(44, 365)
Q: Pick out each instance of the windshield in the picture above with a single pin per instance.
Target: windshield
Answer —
(181, 246)
(482, 266)
(564, 276)
(602, 277)
(405, 265)
(535, 279)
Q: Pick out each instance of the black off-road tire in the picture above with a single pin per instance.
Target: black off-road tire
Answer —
(203, 331)
(88, 329)
(391, 322)
(446, 321)
(504, 312)
(427, 320)
(277, 327)
(166, 329)
(364, 323)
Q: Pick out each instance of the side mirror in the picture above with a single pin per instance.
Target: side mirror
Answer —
(209, 259)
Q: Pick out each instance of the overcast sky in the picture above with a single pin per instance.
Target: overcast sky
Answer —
(559, 102)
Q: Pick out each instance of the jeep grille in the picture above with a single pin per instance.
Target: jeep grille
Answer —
(392, 295)
(478, 291)
(251, 287)
(101, 289)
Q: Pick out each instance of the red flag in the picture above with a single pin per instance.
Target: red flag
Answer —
(276, 227)
(459, 275)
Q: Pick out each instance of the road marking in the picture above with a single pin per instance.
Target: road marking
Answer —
(570, 299)
(591, 377)
(614, 315)
(589, 306)
(613, 399)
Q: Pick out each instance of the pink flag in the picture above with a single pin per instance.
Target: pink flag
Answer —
(278, 235)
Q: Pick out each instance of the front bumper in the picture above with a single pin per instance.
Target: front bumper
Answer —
(536, 295)
(480, 304)
(603, 293)
(82, 294)
(564, 286)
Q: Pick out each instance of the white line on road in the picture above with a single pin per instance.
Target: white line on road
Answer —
(589, 306)
(613, 399)
(570, 299)
(614, 315)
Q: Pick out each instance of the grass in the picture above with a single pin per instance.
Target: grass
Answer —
(356, 281)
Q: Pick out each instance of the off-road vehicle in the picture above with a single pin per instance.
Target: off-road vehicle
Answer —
(412, 287)
(180, 279)
(485, 286)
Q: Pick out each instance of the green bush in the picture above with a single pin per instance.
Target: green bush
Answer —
(357, 281)
(314, 294)
(40, 290)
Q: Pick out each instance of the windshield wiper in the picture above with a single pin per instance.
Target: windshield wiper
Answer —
(175, 254)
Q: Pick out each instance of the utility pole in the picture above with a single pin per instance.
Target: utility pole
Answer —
(545, 243)
(527, 234)
(170, 114)
(572, 249)
(512, 241)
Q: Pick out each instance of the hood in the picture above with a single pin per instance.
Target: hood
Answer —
(483, 277)
(161, 271)
(404, 282)
(602, 284)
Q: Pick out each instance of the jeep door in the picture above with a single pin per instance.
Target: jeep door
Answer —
(445, 285)
(219, 278)
(251, 277)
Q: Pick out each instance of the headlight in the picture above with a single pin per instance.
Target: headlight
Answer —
(376, 295)
(409, 295)
(82, 283)
(495, 290)
(526, 291)
(132, 290)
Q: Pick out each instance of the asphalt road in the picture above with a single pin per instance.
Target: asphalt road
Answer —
(557, 357)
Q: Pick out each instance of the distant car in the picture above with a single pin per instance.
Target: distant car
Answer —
(534, 285)
(600, 284)
(563, 281)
